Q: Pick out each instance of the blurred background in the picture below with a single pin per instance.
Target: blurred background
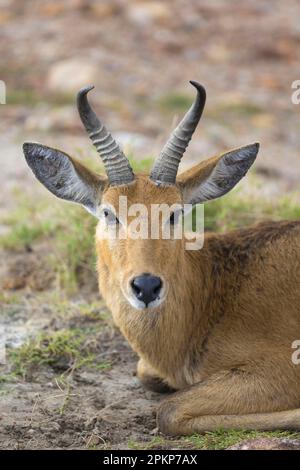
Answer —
(140, 55)
(69, 376)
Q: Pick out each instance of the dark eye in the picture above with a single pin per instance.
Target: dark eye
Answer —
(174, 217)
(110, 217)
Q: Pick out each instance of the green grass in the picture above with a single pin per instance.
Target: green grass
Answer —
(178, 103)
(71, 347)
(217, 440)
(234, 210)
(243, 109)
(22, 236)
(32, 98)
(222, 439)
(30, 221)
(75, 256)
(67, 229)
(9, 298)
(141, 165)
(66, 348)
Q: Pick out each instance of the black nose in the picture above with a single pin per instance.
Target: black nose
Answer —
(146, 287)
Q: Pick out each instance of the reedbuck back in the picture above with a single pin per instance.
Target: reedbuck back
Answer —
(216, 324)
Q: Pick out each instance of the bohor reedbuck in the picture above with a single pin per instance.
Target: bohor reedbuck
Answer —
(214, 326)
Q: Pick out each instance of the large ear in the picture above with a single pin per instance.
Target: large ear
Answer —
(216, 176)
(64, 176)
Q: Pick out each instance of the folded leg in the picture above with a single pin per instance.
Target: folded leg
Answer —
(233, 399)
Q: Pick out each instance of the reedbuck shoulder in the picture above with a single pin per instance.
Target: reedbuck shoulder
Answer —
(214, 326)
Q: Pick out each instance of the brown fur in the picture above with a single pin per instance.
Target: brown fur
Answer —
(223, 336)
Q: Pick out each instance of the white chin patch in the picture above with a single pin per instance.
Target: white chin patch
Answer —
(135, 303)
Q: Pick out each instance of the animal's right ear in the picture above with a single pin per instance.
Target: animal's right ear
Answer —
(65, 177)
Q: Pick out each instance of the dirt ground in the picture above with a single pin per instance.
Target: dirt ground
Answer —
(91, 408)
(140, 55)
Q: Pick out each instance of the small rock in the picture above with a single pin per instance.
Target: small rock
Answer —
(68, 76)
(93, 440)
(154, 432)
(273, 443)
(106, 8)
(57, 119)
(145, 13)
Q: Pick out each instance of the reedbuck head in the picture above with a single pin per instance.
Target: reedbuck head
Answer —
(139, 269)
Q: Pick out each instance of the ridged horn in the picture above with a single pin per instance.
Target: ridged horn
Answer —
(165, 168)
(115, 162)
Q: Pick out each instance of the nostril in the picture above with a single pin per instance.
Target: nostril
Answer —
(136, 289)
(157, 288)
(134, 286)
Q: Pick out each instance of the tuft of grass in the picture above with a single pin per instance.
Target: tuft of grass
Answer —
(9, 299)
(94, 312)
(7, 378)
(32, 98)
(233, 211)
(157, 442)
(67, 349)
(30, 221)
(217, 440)
(22, 236)
(69, 229)
(222, 439)
(143, 165)
(237, 109)
(22, 97)
(75, 257)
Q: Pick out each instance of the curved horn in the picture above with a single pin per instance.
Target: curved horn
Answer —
(115, 162)
(165, 168)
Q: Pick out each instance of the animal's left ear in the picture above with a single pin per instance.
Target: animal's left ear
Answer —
(216, 176)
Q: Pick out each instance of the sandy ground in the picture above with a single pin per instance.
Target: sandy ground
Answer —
(96, 409)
